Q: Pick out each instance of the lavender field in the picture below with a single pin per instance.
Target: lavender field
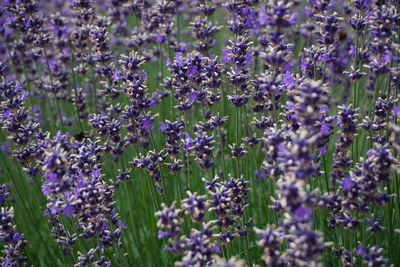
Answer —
(200, 133)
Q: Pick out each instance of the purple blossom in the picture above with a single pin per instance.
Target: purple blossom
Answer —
(68, 210)
(6, 148)
(303, 213)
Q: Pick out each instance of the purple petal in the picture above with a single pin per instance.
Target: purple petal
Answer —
(325, 129)
(52, 177)
(5, 148)
(68, 210)
(303, 213)
(178, 59)
(7, 114)
(121, 225)
(293, 18)
(96, 173)
(17, 237)
(360, 251)
(225, 57)
(153, 100)
(288, 80)
(348, 184)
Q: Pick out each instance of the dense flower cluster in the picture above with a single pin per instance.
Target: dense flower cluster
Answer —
(227, 200)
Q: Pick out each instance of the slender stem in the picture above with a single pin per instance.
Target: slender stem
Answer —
(9, 54)
(76, 94)
(186, 153)
(52, 83)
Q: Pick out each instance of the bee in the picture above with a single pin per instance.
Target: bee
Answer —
(79, 136)
(342, 36)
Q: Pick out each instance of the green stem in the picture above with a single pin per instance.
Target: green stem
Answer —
(76, 94)
(52, 83)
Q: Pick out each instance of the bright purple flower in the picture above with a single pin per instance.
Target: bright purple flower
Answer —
(46, 191)
(52, 177)
(7, 114)
(360, 250)
(147, 124)
(154, 100)
(160, 38)
(24, 95)
(192, 71)
(161, 234)
(370, 152)
(192, 97)
(362, 4)
(68, 210)
(116, 76)
(95, 173)
(303, 213)
(289, 65)
(326, 57)
(121, 225)
(352, 50)
(303, 63)
(179, 59)
(322, 151)
(288, 80)
(325, 128)
(163, 126)
(5, 148)
(17, 237)
(348, 184)
(293, 18)
(262, 17)
(387, 57)
(248, 59)
(225, 56)
(189, 142)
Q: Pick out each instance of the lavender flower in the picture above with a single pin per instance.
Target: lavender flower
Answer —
(169, 220)
(14, 243)
(195, 206)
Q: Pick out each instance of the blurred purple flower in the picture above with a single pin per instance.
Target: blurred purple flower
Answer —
(303, 213)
